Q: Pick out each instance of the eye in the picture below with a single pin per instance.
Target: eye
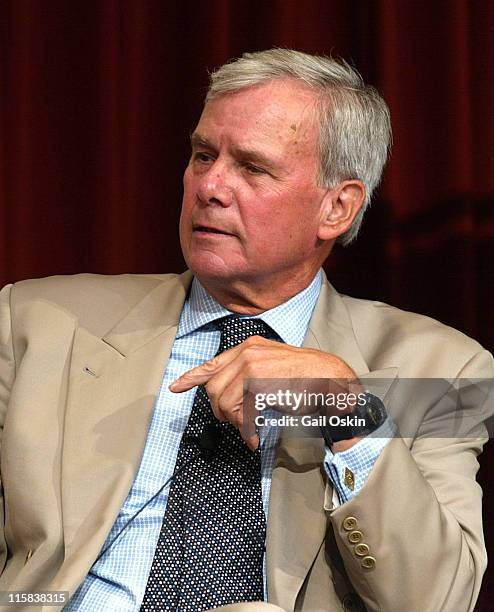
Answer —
(202, 157)
(251, 169)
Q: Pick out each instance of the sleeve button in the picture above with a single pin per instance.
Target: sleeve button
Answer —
(349, 523)
(354, 537)
(361, 550)
(368, 563)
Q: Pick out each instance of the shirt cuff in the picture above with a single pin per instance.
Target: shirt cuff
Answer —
(349, 469)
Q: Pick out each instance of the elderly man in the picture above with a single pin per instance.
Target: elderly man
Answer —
(132, 476)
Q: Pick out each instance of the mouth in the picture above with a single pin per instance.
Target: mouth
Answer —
(207, 229)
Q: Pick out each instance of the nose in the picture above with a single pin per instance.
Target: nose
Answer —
(214, 186)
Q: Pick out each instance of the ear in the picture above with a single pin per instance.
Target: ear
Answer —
(339, 208)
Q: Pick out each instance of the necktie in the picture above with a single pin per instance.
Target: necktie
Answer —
(211, 545)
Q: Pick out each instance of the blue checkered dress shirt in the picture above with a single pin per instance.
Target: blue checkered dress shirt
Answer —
(117, 581)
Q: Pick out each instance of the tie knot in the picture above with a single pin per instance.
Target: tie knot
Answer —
(235, 330)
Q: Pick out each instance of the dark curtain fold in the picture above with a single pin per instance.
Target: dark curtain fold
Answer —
(97, 99)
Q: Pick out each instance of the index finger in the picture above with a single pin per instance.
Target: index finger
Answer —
(201, 374)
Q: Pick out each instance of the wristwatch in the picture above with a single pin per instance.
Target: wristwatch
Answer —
(363, 420)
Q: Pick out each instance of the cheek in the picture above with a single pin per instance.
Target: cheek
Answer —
(289, 226)
(187, 184)
(190, 180)
(185, 224)
(184, 215)
(189, 195)
(292, 213)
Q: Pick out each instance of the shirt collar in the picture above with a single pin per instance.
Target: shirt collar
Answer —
(289, 320)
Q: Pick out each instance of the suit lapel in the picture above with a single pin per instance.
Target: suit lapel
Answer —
(297, 520)
(113, 385)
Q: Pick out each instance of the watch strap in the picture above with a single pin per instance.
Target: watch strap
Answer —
(372, 412)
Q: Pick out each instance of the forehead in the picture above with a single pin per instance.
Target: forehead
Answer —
(281, 113)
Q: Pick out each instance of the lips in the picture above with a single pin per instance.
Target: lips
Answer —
(208, 229)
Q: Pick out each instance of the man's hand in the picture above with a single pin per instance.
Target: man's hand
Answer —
(224, 375)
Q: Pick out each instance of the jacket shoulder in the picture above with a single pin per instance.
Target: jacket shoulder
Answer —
(383, 331)
(96, 300)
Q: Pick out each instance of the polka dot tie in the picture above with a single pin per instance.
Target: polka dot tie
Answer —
(211, 545)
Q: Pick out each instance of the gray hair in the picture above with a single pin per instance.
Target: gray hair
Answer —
(354, 121)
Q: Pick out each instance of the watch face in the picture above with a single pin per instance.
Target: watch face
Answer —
(374, 414)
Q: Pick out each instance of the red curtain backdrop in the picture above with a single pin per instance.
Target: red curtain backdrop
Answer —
(97, 100)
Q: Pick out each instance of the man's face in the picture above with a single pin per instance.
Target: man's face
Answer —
(251, 207)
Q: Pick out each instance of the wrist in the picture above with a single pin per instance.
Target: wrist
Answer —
(350, 426)
(343, 445)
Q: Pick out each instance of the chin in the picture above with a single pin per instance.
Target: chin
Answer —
(210, 267)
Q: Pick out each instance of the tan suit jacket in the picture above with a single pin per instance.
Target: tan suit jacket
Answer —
(81, 361)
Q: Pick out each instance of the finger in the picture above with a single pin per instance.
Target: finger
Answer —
(201, 374)
(236, 415)
(233, 408)
(252, 442)
(193, 378)
(225, 390)
(227, 398)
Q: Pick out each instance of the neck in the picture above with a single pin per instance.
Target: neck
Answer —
(246, 298)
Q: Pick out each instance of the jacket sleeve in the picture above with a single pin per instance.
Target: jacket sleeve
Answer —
(7, 374)
(412, 537)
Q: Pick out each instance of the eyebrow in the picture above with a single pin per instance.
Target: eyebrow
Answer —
(196, 140)
(250, 155)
